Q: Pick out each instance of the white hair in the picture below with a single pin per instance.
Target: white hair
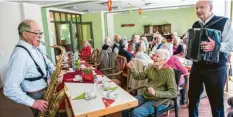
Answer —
(178, 40)
(137, 37)
(169, 47)
(174, 33)
(86, 42)
(163, 53)
(107, 40)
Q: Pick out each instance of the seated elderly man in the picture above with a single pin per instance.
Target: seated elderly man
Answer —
(161, 84)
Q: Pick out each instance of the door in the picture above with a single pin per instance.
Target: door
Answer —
(64, 32)
(72, 35)
(66, 35)
(84, 33)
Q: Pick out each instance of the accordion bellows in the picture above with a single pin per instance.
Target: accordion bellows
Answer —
(194, 51)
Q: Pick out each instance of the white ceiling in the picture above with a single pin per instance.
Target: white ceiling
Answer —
(101, 5)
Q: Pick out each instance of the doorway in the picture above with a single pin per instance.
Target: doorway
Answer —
(84, 33)
(71, 35)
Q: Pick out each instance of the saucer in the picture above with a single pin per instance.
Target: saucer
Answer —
(70, 71)
(114, 96)
(74, 79)
(88, 97)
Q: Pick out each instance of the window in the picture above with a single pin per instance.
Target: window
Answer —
(56, 16)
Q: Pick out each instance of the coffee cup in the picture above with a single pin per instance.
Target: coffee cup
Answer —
(106, 84)
(99, 78)
(111, 94)
(71, 69)
(78, 78)
(90, 95)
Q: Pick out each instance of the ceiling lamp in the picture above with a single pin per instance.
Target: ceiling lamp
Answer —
(150, 4)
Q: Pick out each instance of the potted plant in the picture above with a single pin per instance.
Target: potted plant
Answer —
(87, 74)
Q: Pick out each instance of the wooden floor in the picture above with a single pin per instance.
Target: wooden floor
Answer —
(9, 108)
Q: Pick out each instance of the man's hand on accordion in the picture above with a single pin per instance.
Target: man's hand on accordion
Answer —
(207, 46)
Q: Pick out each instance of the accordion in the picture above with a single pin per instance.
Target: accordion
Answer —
(193, 49)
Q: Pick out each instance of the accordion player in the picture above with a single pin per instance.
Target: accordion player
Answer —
(194, 51)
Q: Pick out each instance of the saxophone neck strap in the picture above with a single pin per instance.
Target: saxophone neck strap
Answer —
(37, 67)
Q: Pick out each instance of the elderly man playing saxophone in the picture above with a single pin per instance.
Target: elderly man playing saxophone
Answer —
(25, 79)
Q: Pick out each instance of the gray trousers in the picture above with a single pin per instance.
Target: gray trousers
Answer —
(37, 95)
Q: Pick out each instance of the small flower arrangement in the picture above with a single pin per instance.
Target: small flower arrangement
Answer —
(87, 70)
(87, 73)
(78, 64)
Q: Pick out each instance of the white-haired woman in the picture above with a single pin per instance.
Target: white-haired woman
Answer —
(106, 45)
(161, 84)
(144, 39)
(132, 45)
(178, 49)
(86, 50)
(140, 53)
(123, 50)
(175, 63)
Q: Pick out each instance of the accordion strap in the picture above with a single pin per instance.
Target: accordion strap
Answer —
(214, 22)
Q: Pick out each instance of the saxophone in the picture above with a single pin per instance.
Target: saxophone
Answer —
(51, 96)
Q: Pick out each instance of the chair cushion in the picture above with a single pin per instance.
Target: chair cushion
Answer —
(118, 82)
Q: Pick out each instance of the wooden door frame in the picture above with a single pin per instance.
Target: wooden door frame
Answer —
(91, 29)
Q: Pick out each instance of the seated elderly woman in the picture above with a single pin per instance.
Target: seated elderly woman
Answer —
(86, 50)
(123, 50)
(144, 39)
(161, 84)
(106, 45)
(140, 53)
(174, 62)
(178, 49)
(132, 45)
(158, 43)
(116, 46)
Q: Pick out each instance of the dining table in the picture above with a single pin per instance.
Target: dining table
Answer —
(77, 105)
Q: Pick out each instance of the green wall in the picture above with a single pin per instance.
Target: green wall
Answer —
(95, 18)
(46, 31)
(180, 19)
(105, 24)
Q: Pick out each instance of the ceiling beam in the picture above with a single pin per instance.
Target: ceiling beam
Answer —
(57, 4)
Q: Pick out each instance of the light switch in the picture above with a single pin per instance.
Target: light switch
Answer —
(1, 53)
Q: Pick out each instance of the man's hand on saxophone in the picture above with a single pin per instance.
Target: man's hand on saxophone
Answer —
(40, 105)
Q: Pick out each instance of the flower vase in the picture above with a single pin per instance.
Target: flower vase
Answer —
(88, 76)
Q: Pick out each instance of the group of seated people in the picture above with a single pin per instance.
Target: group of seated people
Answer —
(161, 58)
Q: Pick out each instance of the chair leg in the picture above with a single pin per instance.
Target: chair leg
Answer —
(156, 113)
(176, 109)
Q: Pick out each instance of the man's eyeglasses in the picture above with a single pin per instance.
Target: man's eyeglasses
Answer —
(37, 33)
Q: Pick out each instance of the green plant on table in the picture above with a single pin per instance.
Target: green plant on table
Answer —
(87, 70)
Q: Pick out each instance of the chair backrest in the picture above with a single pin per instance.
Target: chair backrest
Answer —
(178, 74)
(138, 64)
(103, 59)
(132, 83)
(121, 60)
(95, 54)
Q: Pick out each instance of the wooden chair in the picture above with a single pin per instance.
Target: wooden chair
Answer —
(117, 75)
(139, 66)
(164, 101)
(93, 58)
